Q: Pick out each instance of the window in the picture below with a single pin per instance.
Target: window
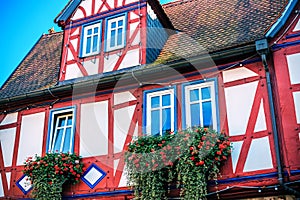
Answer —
(200, 105)
(115, 33)
(62, 127)
(160, 111)
(91, 37)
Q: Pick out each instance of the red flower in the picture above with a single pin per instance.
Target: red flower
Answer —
(201, 162)
(191, 148)
(192, 158)
(159, 145)
(50, 183)
(219, 152)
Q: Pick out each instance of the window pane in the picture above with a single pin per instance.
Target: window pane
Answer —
(166, 100)
(155, 127)
(166, 119)
(113, 25)
(95, 43)
(67, 142)
(207, 114)
(69, 122)
(88, 45)
(194, 95)
(195, 114)
(57, 141)
(205, 92)
(120, 23)
(96, 30)
(155, 102)
(120, 36)
(89, 32)
(61, 122)
(112, 38)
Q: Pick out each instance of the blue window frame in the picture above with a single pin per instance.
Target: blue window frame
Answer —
(200, 105)
(91, 39)
(159, 111)
(61, 130)
(115, 32)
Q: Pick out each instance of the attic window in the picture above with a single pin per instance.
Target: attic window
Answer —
(116, 32)
(91, 37)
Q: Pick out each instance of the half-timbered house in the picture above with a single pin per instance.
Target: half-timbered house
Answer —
(123, 68)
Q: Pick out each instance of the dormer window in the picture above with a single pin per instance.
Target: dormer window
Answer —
(91, 37)
(116, 32)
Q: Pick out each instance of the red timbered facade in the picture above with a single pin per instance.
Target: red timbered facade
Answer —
(118, 56)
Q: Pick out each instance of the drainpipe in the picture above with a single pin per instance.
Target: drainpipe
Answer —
(262, 49)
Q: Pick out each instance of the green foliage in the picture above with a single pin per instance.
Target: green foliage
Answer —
(189, 158)
(48, 173)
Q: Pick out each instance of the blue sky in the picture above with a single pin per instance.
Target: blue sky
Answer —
(23, 23)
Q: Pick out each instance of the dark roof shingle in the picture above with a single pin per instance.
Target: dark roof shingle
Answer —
(221, 24)
(38, 70)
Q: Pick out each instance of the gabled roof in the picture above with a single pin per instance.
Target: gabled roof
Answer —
(218, 24)
(38, 70)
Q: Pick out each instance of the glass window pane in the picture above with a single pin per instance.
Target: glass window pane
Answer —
(113, 25)
(194, 95)
(88, 45)
(195, 114)
(166, 100)
(96, 30)
(120, 23)
(207, 114)
(155, 102)
(155, 127)
(166, 119)
(57, 140)
(112, 38)
(120, 36)
(67, 141)
(61, 121)
(69, 122)
(95, 43)
(89, 32)
(205, 92)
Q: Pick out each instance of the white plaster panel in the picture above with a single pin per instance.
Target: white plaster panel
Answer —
(293, 61)
(1, 188)
(72, 71)
(132, 58)
(87, 6)
(94, 129)
(123, 181)
(259, 155)
(136, 134)
(151, 13)
(297, 105)
(261, 119)
(31, 135)
(239, 101)
(123, 97)
(116, 163)
(78, 15)
(98, 5)
(137, 38)
(130, 1)
(236, 151)
(7, 140)
(122, 120)
(74, 43)
(237, 74)
(70, 56)
(76, 32)
(111, 3)
(91, 66)
(297, 27)
(8, 176)
(110, 62)
(9, 119)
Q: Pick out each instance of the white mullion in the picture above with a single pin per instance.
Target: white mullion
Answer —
(54, 135)
(160, 115)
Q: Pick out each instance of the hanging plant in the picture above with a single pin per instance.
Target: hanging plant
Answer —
(48, 173)
(190, 158)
